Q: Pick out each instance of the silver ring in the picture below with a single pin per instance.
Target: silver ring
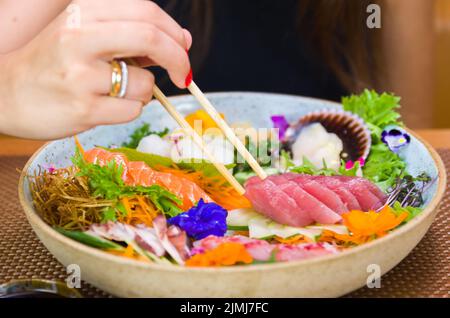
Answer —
(124, 83)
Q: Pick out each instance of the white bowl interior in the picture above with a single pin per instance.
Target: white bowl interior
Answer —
(255, 108)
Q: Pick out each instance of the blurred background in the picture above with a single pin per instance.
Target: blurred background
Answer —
(441, 103)
(442, 92)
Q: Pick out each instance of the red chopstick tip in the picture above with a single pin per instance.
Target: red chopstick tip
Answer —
(188, 79)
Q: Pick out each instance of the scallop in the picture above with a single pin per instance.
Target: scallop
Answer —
(350, 128)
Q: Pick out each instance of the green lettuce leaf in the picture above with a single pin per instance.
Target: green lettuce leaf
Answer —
(382, 166)
(378, 111)
(412, 211)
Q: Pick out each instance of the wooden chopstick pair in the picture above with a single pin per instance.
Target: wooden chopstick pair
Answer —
(229, 134)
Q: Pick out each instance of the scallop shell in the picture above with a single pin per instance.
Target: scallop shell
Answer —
(350, 128)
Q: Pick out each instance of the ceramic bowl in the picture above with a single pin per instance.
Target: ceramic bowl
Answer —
(327, 276)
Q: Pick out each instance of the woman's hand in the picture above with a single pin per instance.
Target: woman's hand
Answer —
(58, 84)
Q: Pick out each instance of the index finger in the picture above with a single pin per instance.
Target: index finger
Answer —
(140, 11)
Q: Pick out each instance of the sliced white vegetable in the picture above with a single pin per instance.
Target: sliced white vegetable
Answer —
(241, 217)
(318, 145)
(185, 148)
(285, 231)
(156, 145)
(258, 227)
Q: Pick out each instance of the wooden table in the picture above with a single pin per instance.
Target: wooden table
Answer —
(9, 146)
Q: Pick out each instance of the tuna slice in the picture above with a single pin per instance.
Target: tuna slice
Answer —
(367, 200)
(310, 207)
(274, 203)
(369, 185)
(299, 200)
(323, 194)
(346, 196)
(287, 203)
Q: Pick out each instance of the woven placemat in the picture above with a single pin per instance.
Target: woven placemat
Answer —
(424, 273)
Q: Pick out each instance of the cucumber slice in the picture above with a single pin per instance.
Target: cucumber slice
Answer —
(262, 227)
(258, 227)
(240, 217)
(237, 228)
(285, 231)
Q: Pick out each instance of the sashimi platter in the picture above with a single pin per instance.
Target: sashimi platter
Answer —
(339, 189)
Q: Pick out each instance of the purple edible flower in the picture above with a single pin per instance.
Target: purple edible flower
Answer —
(202, 220)
(280, 122)
(395, 139)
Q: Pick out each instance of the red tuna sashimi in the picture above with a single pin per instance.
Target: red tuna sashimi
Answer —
(367, 200)
(271, 201)
(307, 208)
(302, 215)
(310, 208)
(321, 193)
(336, 186)
(369, 185)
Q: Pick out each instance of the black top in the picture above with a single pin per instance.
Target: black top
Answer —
(256, 46)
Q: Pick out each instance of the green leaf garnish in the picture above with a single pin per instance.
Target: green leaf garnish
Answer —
(90, 240)
(309, 168)
(382, 166)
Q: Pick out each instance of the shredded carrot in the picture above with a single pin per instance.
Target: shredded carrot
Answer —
(139, 211)
(130, 253)
(79, 146)
(296, 239)
(126, 205)
(216, 187)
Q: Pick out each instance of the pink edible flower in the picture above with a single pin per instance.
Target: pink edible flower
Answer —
(350, 164)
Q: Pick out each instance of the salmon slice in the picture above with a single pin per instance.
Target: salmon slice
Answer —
(139, 173)
(102, 157)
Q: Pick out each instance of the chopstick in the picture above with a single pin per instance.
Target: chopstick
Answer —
(197, 139)
(209, 108)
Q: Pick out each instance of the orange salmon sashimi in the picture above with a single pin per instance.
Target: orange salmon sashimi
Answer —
(139, 173)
